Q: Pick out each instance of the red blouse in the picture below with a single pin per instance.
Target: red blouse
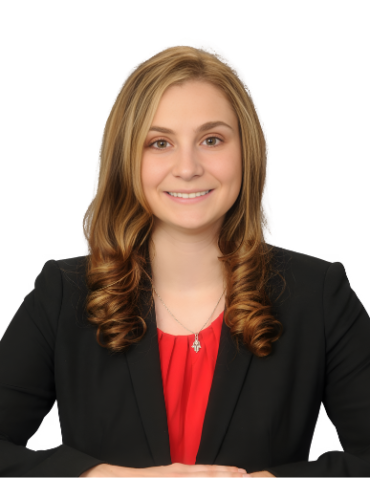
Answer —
(187, 378)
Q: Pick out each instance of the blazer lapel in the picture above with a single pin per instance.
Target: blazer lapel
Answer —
(230, 371)
(229, 375)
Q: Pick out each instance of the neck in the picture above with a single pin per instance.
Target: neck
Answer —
(182, 269)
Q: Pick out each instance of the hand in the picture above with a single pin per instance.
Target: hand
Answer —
(261, 473)
(175, 469)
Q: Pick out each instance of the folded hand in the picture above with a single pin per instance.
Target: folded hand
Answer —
(175, 469)
(261, 473)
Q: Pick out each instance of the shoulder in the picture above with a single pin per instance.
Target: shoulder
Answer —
(57, 274)
(285, 257)
(304, 275)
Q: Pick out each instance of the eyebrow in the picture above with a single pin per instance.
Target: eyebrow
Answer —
(200, 129)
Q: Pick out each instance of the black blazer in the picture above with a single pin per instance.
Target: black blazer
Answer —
(261, 412)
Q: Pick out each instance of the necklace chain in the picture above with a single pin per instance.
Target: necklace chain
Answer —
(196, 344)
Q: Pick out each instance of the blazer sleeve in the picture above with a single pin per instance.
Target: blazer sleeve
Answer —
(346, 396)
(27, 388)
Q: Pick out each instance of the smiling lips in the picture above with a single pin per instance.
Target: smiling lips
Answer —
(192, 198)
(191, 195)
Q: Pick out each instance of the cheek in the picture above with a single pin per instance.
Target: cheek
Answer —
(151, 174)
(229, 172)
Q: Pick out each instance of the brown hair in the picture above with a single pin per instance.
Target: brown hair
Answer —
(118, 222)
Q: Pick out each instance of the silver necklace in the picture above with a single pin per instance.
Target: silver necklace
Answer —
(196, 344)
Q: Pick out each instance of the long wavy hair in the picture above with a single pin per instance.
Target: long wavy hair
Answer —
(118, 222)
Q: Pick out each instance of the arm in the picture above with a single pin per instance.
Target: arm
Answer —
(347, 389)
(27, 389)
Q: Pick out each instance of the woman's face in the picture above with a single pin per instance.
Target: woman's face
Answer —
(184, 154)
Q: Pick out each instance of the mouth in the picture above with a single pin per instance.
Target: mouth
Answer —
(168, 192)
(189, 200)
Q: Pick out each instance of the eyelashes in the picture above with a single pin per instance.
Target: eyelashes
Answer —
(165, 141)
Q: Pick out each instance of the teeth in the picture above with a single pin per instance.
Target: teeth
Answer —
(192, 195)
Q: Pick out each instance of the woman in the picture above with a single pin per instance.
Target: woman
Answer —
(183, 344)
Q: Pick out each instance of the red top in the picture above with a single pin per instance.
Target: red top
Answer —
(187, 378)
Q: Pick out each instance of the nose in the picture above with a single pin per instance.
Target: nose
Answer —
(187, 163)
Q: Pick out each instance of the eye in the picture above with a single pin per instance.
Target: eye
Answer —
(158, 141)
(213, 137)
(165, 141)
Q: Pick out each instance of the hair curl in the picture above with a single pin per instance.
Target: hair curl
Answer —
(118, 222)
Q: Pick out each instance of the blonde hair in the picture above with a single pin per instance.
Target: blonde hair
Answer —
(118, 222)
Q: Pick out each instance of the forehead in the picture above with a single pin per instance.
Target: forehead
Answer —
(194, 88)
(194, 98)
